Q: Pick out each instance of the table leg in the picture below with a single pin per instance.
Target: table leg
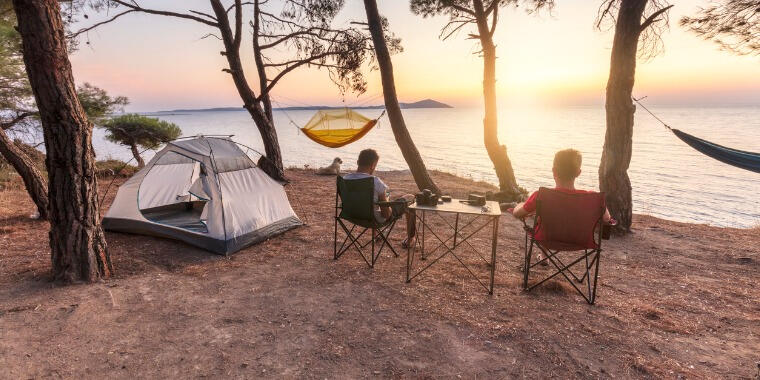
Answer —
(456, 230)
(409, 251)
(494, 241)
(411, 240)
(422, 253)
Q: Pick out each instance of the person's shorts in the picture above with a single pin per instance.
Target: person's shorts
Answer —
(397, 210)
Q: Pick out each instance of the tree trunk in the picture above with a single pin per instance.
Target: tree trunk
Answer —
(616, 155)
(497, 152)
(265, 125)
(400, 132)
(136, 154)
(26, 168)
(258, 57)
(77, 243)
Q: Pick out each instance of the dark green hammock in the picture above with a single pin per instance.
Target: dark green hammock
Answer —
(734, 157)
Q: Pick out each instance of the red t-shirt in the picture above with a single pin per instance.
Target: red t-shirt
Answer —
(530, 207)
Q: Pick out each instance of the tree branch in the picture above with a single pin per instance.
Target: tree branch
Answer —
(241, 4)
(136, 7)
(494, 20)
(463, 9)
(211, 35)
(605, 12)
(238, 24)
(20, 117)
(653, 17)
(204, 14)
(284, 37)
(447, 31)
(492, 7)
(292, 66)
(303, 61)
(89, 28)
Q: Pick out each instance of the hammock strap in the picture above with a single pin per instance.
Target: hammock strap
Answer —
(650, 112)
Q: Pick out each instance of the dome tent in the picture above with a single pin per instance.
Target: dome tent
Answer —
(204, 191)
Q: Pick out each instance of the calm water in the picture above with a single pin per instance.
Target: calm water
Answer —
(669, 179)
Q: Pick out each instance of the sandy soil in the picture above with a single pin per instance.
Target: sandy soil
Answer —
(675, 300)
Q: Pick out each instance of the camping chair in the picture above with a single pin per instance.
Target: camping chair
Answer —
(569, 223)
(354, 203)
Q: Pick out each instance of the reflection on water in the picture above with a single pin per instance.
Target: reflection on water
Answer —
(669, 179)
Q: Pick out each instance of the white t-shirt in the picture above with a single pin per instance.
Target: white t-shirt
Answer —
(380, 187)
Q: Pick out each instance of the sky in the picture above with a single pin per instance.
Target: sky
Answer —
(556, 58)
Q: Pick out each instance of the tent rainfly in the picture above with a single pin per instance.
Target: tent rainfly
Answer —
(204, 191)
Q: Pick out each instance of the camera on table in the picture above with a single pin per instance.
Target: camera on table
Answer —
(427, 198)
(476, 200)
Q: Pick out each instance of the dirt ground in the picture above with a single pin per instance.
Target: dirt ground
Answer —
(675, 301)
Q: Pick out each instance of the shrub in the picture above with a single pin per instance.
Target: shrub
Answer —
(112, 167)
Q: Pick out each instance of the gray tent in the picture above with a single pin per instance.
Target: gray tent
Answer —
(204, 191)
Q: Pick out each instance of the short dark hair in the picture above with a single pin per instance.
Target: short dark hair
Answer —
(367, 157)
(567, 164)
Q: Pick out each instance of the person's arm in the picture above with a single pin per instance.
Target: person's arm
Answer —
(519, 211)
(607, 218)
(525, 208)
(385, 211)
(382, 196)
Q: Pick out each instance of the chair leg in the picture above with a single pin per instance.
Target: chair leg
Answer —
(562, 269)
(588, 274)
(384, 235)
(372, 253)
(349, 237)
(335, 240)
(598, 258)
(526, 268)
(353, 240)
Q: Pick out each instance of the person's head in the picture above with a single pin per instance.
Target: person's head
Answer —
(567, 166)
(367, 161)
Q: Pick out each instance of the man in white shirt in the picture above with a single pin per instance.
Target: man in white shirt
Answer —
(366, 164)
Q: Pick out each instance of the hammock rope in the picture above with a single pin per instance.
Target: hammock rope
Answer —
(734, 157)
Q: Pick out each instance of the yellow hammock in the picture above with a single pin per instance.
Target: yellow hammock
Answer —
(335, 128)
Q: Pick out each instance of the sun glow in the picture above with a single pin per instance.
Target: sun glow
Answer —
(545, 59)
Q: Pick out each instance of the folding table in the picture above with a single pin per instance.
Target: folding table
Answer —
(490, 213)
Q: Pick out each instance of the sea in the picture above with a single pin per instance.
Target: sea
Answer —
(670, 180)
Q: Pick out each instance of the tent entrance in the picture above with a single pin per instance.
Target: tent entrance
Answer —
(173, 193)
(186, 215)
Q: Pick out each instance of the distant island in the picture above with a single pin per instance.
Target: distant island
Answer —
(427, 103)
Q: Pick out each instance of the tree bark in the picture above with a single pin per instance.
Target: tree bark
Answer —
(136, 154)
(496, 151)
(77, 243)
(27, 169)
(265, 124)
(398, 125)
(618, 139)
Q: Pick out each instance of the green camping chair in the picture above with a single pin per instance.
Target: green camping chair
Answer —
(355, 205)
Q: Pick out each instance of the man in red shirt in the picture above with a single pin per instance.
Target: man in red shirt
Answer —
(566, 168)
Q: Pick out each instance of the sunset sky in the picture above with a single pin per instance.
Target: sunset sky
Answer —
(162, 63)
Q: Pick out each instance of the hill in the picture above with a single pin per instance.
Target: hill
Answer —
(427, 103)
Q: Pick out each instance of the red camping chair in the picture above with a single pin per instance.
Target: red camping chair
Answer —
(567, 223)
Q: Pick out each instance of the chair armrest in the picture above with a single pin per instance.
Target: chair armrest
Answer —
(390, 203)
(528, 228)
